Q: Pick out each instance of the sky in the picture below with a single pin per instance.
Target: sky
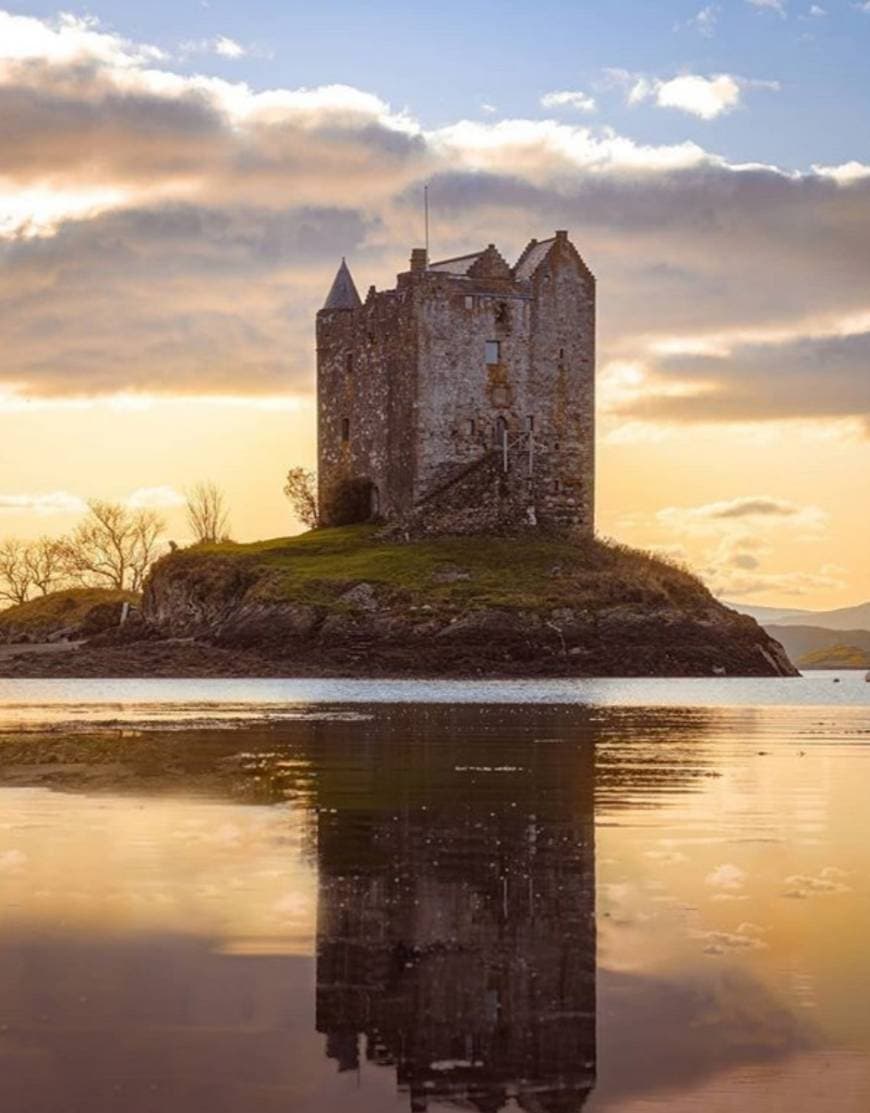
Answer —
(178, 183)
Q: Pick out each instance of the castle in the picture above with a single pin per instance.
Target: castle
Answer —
(465, 397)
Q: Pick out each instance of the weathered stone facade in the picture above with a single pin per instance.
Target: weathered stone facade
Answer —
(465, 397)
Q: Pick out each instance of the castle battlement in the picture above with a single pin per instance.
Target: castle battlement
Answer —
(465, 397)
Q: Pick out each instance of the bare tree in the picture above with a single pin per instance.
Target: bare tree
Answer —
(207, 513)
(113, 547)
(301, 490)
(45, 562)
(16, 582)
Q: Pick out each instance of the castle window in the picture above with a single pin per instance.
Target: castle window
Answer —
(493, 352)
(472, 427)
(530, 423)
(348, 363)
(345, 429)
(557, 486)
(561, 353)
(469, 302)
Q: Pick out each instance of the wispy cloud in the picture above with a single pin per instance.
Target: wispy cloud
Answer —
(52, 502)
(566, 98)
(154, 498)
(706, 20)
(753, 508)
(778, 6)
(221, 45)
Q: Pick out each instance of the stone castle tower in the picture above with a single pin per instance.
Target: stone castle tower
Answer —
(465, 397)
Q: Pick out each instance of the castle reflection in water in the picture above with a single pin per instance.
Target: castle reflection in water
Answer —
(456, 919)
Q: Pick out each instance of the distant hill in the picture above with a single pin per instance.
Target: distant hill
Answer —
(837, 657)
(844, 618)
(767, 615)
(798, 641)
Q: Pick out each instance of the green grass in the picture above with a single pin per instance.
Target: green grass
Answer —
(528, 571)
(836, 657)
(61, 607)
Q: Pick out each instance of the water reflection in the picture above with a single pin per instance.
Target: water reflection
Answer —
(397, 911)
(456, 926)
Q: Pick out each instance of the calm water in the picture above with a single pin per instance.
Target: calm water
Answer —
(253, 896)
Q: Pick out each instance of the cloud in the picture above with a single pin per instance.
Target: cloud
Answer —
(705, 20)
(221, 45)
(799, 376)
(582, 102)
(829, 881)
(817, 11)
(154, 498)
(704, 97)
(175, 234)
(63, 502)
(54, 502)
(735, 584)
(727, 876)
(753, 509)
(778, 6)
(747, 937)
(741, 531)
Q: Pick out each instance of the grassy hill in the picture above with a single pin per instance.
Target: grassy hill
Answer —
(836, 657)
(526, 570)
(801, 641)
(75, 612)
(346, 600)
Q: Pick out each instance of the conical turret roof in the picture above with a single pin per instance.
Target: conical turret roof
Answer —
(343, 293)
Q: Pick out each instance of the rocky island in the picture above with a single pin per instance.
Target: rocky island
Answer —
(349, 602)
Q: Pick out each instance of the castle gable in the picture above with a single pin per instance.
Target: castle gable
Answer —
(535, 253)
(459, 265)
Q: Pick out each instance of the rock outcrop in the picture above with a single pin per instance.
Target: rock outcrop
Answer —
(446, 623)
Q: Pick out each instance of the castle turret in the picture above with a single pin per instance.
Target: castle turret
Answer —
(343, 293)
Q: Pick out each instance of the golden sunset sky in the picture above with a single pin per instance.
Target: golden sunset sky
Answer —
(169, 227)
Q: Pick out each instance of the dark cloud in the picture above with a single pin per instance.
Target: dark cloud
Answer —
(179, 299)
(808, 377)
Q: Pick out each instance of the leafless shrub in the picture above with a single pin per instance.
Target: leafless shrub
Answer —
(45, 562)
(16, 582)
(207, 513)
(113, 547)
(301, 489)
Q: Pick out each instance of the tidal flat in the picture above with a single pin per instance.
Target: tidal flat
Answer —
(252, 896)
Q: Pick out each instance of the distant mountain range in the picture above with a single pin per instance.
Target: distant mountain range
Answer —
(818, 639)
(844, 618)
